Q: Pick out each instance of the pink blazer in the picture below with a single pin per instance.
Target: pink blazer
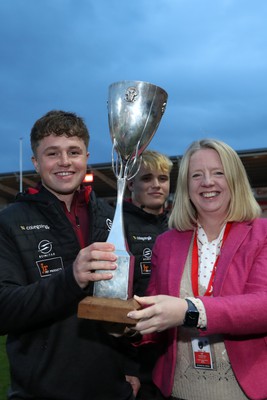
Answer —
(238, 308)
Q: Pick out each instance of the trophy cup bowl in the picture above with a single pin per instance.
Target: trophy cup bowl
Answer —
(135, 109)
(134, 112)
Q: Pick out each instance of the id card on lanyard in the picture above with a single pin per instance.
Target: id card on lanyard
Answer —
(202, 357)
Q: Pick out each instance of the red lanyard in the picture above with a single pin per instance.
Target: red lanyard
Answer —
(194, 271)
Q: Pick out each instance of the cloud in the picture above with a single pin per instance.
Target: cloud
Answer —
(210, 57)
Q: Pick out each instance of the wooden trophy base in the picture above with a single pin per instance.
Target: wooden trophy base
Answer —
(107, 309)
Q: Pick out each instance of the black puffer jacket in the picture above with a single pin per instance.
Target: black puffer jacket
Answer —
(141, 230)
(53, 354)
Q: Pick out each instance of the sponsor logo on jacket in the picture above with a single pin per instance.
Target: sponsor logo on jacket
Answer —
(109, 223)
(39, 227)
(145, 265)
(45, 249)
(143, 238)
(48, 264)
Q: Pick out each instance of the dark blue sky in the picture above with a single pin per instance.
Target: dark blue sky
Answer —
(209, 55)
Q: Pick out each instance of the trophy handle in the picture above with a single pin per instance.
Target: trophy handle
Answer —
(124, 168)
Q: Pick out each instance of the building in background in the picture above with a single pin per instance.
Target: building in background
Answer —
(104, 183)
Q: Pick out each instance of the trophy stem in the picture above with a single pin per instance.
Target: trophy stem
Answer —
(116, 234)
(117, 287)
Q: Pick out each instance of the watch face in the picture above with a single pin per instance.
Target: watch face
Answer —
(191, 315)
(191, 318)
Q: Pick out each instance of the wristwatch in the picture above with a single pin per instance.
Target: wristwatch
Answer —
(191, 315)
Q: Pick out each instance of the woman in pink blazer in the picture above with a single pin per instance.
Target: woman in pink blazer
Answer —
(207, 299)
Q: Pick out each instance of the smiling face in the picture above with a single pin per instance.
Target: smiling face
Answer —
(61, 162)
(150, 189)
(207, 185)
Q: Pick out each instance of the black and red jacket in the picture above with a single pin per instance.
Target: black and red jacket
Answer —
(53, 355)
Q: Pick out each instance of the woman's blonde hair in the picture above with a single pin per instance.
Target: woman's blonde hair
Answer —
(243, 206)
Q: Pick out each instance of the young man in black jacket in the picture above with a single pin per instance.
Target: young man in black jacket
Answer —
(145, 218)
(52, 242)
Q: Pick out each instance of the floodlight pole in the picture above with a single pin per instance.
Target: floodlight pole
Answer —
(20, 164)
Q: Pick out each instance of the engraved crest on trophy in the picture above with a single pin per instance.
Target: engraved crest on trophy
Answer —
(135, 109)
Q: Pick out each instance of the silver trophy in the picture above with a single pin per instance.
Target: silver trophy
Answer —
(134, 112)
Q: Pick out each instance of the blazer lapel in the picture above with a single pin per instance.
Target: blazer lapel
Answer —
(178, 254)
(237, 234)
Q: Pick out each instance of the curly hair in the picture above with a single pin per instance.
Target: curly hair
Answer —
(58, 123)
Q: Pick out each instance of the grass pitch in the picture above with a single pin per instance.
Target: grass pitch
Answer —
(4, 369)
